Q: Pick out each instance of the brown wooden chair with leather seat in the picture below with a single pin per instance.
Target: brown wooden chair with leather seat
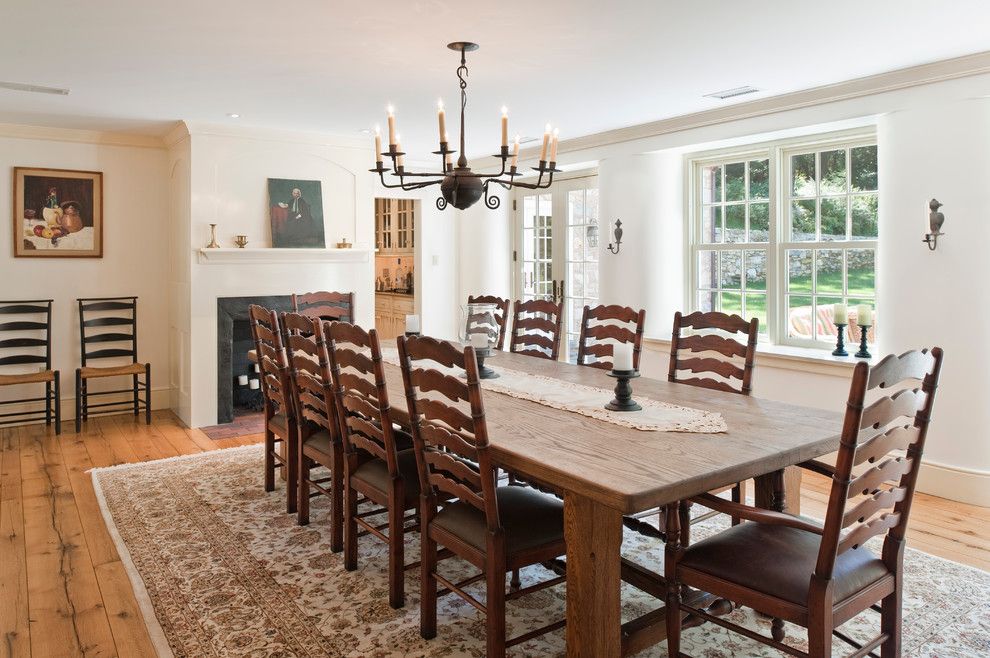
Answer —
(316, 420)
(379, 463)
(820, 576)
(501, 314)
(26, 341)
(612, 324)
(720, 345)
(536, 328)
(496, 529)
(280, 411)
(325, 305)
(108, 330)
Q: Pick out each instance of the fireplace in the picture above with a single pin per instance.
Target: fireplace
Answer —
(233, 342)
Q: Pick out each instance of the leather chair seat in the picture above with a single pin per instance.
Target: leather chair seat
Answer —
(530, 519)
(779, 561)
(320, 441)
(374, 473)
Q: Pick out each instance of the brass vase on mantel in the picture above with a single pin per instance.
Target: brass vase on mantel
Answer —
(241, 241)
(213, 238)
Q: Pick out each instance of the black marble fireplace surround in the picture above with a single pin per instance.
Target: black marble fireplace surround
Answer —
(233, 342)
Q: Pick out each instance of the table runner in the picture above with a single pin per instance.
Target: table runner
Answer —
(589, 401)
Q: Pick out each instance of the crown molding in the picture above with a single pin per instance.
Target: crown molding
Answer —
(176, 134)
(281, 135)
(914, 76)
(20, 131)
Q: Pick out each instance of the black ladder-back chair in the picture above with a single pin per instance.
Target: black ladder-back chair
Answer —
(26, 330)
(108, 330)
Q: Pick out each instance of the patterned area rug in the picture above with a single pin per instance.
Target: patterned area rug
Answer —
(221, 570)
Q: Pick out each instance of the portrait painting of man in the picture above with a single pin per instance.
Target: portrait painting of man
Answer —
(296, 213)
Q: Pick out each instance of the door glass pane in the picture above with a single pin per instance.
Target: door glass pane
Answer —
(575, 280)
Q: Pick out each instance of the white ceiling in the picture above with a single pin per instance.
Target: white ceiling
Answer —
(332, 67)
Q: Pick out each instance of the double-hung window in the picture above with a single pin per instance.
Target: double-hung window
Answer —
(785, 231)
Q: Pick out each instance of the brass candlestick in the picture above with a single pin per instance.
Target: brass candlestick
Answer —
(240, 241)
(213, 238)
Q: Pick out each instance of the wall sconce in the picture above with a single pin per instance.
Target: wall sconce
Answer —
(935, 221)
(618, 237)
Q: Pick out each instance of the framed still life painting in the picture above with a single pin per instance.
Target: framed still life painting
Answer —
(296, 208)
(58, 213)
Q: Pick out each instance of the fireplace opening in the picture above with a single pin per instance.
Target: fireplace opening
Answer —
(238, 382)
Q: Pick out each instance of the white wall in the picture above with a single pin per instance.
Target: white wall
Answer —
(135, 257)
(485, 240)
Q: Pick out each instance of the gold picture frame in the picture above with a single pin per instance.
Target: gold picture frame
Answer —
(58, 213)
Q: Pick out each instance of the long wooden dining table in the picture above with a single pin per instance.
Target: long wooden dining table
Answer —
(606, 471)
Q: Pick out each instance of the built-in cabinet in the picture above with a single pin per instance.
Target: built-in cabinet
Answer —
(395, 262)
(395, 226)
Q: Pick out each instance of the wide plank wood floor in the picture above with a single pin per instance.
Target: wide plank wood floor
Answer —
(64, 590)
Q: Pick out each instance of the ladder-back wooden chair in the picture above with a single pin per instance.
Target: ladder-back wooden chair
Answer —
(497, 529)
(379, 462)
(26, 340)
(280, 412)
(108, 330)
(815, 576)
(536, 328)
(611, 324)
(501, 314)
(325, 305)
(316, 420)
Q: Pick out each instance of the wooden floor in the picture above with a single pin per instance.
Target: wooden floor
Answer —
(63, 588)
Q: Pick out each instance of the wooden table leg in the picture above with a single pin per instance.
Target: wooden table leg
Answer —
(594, 536)
(780, 490)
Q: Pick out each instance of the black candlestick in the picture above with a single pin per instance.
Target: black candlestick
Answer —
(840, 346)
(484, 372)
(863, 353)
(623, 391)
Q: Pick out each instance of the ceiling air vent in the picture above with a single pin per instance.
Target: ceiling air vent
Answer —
(732, 93)
(34, 89)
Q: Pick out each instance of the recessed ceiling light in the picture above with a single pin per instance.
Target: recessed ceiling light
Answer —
(234, 115)
(729, 93)
(365, 131)
(35, 89)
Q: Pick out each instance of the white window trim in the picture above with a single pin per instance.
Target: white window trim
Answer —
(777, 152)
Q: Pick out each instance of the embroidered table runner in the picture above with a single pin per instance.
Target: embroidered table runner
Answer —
(590, 400)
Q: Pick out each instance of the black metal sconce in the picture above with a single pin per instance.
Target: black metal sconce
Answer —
(935, 221)
(618, 237)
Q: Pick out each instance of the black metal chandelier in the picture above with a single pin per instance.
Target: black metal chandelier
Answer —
(459, 186)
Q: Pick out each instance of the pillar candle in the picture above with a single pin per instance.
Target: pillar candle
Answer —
(840, 314)
(553, 147)
(515, 153)
(479, 341)
(256, 368)
(442, 120)
(412, 324)
(864, 315)
(255, 384)
(505, 126)
(378, 145)
(546, 142)
(398, 148)
(242, 380)
(622, 356)
(391, 126)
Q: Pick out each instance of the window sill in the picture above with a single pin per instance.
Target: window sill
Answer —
(804, 359)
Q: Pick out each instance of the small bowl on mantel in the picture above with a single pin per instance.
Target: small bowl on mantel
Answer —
(344, 244)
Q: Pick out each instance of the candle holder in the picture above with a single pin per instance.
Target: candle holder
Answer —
(840, 345)
(485, 372)
(241, 241)
(213, 238)
(411, 333)
(623, 391)
(863, 353)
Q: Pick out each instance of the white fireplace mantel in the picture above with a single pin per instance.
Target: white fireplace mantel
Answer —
(266, 255)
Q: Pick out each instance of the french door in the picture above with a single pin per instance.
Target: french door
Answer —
(556, 250)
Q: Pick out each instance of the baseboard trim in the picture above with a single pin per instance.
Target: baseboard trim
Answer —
(160, 399)
(964, 485)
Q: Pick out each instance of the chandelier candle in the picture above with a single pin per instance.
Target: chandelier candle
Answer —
(553, 145)
(378, 145)
(459, 185)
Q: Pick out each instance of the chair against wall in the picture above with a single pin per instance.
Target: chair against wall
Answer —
(536, 328)
(108, 330)
(26, 341)
(379, 463)
(611, 324)
(325, 305)
(501, 314)
(496, 529)
(820, 576)
(280, 412)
